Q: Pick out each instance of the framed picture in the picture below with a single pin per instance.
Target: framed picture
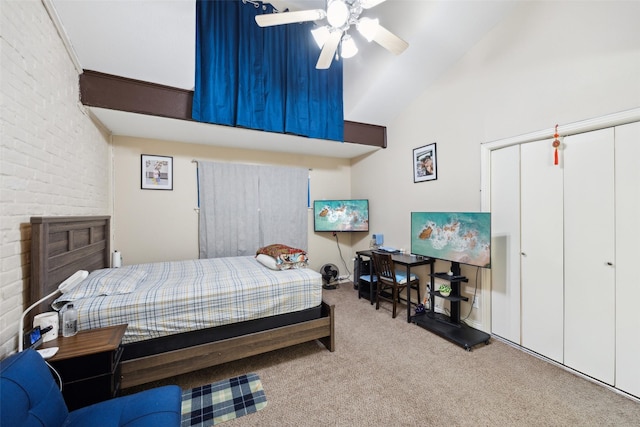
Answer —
(425, 164)
(157, 172)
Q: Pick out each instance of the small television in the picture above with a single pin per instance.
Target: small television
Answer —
(458, 237)
(341, 215)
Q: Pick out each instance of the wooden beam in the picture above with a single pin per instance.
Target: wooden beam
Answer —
(137, 96)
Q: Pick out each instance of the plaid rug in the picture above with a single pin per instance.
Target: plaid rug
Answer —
(221, 401)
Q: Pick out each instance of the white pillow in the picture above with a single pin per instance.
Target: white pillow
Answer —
(119, 281)
(267, 261)
(106, 281)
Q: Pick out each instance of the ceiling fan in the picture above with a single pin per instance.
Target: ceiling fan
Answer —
(340, 16)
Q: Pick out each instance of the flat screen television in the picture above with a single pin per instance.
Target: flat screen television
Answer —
(341, 215)
(458, 237)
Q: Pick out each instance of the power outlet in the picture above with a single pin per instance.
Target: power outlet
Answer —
(476, 302)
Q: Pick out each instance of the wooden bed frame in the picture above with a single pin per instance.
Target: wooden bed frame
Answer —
(60, 246)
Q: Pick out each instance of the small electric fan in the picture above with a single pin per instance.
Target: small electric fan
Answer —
(330, 275)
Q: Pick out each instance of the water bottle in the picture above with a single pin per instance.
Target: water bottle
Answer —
(69, 321)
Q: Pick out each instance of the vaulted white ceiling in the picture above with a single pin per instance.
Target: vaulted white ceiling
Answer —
(154, 40)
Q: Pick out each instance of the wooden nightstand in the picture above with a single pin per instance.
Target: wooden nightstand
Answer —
(89, 364)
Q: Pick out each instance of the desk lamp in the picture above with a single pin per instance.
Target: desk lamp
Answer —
(63, 287)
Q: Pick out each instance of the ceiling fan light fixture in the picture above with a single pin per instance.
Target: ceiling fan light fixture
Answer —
(368, 27)
(348, 47)
(337, 13)
(320, 35)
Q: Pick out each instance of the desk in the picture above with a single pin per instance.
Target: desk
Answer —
(408, 261)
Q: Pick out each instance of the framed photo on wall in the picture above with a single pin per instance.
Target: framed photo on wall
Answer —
(157, 172)
(425, 164)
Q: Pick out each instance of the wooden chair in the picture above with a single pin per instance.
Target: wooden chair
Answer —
(388, 279)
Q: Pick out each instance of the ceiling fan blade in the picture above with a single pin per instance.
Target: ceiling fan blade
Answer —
(271, 19)
(390, 41)
(328, 50)
(368, 4)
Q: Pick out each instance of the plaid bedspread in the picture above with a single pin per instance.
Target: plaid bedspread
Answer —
(174, 297)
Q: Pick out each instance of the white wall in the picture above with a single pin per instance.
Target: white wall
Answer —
(159, 225)
(54, 160)
(548, 63)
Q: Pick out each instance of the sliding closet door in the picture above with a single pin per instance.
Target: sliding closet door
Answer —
(505, 243)
(627, 177)
(589, 254)
(541, 218)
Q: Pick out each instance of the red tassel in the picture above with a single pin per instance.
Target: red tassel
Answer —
(556, 144)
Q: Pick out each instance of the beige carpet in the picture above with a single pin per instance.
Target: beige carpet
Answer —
(386, 372)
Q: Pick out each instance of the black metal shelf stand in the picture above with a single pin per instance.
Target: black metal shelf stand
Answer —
(450, 327)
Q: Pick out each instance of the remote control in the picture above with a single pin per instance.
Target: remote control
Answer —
(48, 353)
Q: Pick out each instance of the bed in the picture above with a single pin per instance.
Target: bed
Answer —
(62, 245)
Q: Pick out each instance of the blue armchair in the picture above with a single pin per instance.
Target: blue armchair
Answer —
(29, 396)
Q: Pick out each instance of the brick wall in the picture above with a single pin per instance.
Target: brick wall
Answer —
(54, 160)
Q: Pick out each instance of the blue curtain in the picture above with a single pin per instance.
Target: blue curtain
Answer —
(263, 78)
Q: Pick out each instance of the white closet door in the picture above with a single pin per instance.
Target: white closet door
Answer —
(589, 254)
(627, 177)
(541, 218)
(505, 243)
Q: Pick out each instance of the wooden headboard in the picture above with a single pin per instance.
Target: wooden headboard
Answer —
(60, 246)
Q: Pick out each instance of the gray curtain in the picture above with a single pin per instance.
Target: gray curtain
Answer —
(245, 207)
